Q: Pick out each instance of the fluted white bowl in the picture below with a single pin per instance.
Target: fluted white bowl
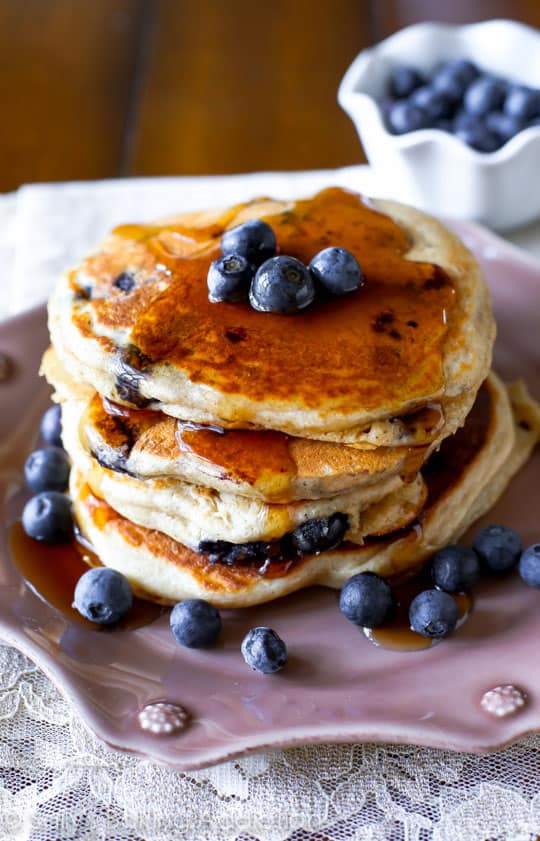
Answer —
(430, 168)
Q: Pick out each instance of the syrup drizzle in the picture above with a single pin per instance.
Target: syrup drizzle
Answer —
(380, 346)
(52, 571)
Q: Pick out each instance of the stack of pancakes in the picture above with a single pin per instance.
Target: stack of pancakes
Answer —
(228, 454)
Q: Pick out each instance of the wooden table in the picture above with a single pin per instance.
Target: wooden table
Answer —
(103, 88)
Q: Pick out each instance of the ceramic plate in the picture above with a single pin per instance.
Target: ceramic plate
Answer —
(337, 686)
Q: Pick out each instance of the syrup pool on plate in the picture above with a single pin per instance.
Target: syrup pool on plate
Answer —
(52, 571)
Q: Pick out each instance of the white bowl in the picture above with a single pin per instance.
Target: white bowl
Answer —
(433, 169)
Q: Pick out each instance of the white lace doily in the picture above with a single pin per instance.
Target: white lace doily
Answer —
(58, 782)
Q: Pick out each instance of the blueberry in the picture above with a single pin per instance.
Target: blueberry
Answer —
(366, 599)
(433, 613)
(450, 83)
(229, 278)
(498, 547)
(51, 426)
(47, 470)
(455, 569)
(522, 103)
(529, 565)
(337, 270)
(255, 240)
(124, 281)
(444, 125)
(531, 123)
(264, 650)
(462, 69)
(503, 125)
(47, 517)
(282, 284)
(485, 94)
(319, 535)
(404, 80)
(224, 552)
(464, 120)
(479, 138)
(102, 595)
(195, 623)
(435, 103)
(405, 117)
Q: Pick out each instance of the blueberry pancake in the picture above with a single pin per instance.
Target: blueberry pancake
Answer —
(263, 464)
(464, 479)
(135, 322)
(278, 395)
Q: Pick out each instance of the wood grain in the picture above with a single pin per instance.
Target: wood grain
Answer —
(390, 15)
(241, 86)
(65, 77)
(98, 88)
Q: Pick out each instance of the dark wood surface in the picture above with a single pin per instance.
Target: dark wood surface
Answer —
(101, 88)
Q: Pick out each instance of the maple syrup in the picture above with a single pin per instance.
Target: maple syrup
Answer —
(380, 346)
(396, 634)
(244, 455)
(52, 571)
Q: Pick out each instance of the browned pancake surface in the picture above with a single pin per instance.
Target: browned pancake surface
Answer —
(379, 346)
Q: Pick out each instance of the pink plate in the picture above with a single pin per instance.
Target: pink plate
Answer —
(337, 686)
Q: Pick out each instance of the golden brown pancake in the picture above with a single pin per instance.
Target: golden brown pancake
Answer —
(472, 468)
(419, 331)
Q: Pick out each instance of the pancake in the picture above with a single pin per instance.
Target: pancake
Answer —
(419, 332)
(263, 464)
(193, 513)
(464, 478)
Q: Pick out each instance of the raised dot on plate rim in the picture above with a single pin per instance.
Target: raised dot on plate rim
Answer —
(162, 718)
(503, 700)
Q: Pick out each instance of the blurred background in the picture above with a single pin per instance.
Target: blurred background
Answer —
(105, 88)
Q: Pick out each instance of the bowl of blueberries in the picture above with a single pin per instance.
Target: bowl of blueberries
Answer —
(449, 117)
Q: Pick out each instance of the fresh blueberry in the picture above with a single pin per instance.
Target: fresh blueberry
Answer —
(319, 535)
(480, 138)
(531, 123)
(435, 103)
(255, 240)
(229, 278)
(433, 613)
(195, 623)
(47, 470)
(503, 124)
(47, 517)
(484, 95)
(455, 569)
(124, 281)
(444, 125)
(498, 547)
(450, 83)
(464, 121)
(337, 270)
(463, 69)
(51, 426)
(102, 595)
(405, 117)
(522, 103)
(264, 650)
(366, 599)
(529, 565)
(282, 284)
(403, 81)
